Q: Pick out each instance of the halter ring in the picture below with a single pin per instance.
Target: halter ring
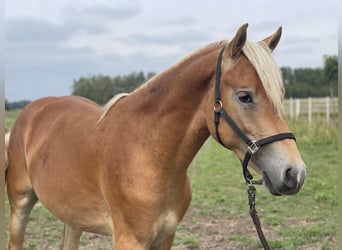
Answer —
(218, 105)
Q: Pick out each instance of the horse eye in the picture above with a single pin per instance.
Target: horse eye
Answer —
(245, 97)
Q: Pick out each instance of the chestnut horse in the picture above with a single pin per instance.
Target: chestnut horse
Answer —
(122, 170)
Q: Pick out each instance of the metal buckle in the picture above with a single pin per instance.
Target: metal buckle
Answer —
(218, 106)
(253, 148)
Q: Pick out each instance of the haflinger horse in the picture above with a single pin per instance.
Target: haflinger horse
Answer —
(122, 170)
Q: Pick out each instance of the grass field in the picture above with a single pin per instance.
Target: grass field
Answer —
(309, 217)
(218, 215)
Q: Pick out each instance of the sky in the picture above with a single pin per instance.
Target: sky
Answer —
(50, 44)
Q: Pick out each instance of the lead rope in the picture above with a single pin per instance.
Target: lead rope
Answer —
(252, 147)
(251, 191)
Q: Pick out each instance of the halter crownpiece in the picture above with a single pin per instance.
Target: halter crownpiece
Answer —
(252, 146)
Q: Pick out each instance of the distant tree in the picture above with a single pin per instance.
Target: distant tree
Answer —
(287, 74)
(16, 105)
(312, 76)
(6, 105)
(314, 82)
(82, 87)
(299, 82)
(102, 88)
(330, 71)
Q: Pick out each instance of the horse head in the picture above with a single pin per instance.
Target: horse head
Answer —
(248, 95)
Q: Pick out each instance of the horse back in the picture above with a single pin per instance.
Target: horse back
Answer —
(55, 134)
(54, 149)
(62, 114)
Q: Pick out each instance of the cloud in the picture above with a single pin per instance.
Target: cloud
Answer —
(53, 71)
(171, 37)
(109, 12)
(40, 61)
(51, 43)
(28, 30)
(99, 15)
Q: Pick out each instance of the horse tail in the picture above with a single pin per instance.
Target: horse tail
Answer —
(7, 138)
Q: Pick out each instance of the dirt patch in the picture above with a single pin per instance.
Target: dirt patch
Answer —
(211, 232)
(196, 231)
(215, 232)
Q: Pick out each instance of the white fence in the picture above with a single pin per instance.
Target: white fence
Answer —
(327, 107)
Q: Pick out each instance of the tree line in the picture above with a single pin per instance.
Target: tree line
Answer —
(299, 82)
(312, 82)
(102, 88)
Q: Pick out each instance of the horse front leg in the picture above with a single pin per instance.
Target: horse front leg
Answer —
(127, 240)
(167, 244)
(22, 198)
(71, 238)
(20, 211)
(137, 238)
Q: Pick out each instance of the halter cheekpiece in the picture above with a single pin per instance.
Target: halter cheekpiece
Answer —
(252, 148)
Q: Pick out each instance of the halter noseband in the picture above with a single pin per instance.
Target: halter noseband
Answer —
(252, 146)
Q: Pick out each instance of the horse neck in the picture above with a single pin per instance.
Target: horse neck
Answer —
(173, 107)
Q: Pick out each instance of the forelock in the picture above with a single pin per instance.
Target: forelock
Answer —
(260, 56)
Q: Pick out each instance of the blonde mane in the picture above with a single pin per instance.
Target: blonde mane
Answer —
(260, 56)
(117, 97)
(110, 104)
(207, 48)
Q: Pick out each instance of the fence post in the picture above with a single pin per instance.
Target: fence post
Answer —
(297, 108)
(291, 108)
(327, 110)
(309, 109)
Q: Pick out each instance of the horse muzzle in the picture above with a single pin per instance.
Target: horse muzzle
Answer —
(289, 183)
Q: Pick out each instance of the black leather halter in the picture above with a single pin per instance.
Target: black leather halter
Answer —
(252, 146)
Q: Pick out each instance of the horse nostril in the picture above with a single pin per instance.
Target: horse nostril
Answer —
(291, 178)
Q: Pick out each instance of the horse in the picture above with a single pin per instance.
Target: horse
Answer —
(122, 170)
(7, 136)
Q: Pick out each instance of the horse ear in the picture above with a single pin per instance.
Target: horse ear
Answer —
(273, 40)
(237, 43)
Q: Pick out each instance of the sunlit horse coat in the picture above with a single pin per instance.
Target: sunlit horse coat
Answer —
(122, 170)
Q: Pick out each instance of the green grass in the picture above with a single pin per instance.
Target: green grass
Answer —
(309, 217)
(10, 117)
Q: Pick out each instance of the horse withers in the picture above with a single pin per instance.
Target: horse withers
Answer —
(122, 170)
